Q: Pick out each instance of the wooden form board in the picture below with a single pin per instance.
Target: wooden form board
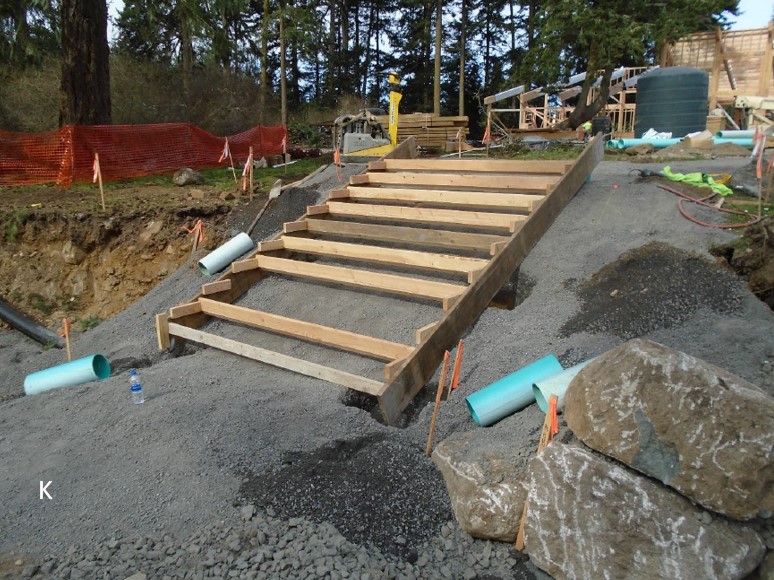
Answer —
(327, 233)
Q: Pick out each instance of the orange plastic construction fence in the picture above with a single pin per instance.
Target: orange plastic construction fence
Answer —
(67, 155)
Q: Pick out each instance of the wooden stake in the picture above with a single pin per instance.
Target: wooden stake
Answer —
(98, 171)
(455, 380)
(438, 394)
(66, 332)
(251, 173)
(550, 428)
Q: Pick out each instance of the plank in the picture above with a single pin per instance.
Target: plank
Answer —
(270, 246)
(392, 256)
(417, 369)
(444, 292)
(215, 287)
(406, 235)
(472, 165)
(521, 183)
(325, 335)
(425, 331)
(298, 226)
(185, 309)
(426, 215)
(310, 369)
(511, 201)
(162, 331)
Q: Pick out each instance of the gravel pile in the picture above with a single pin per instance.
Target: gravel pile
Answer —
(264, 546)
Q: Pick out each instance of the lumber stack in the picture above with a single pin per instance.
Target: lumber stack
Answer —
(429, 130)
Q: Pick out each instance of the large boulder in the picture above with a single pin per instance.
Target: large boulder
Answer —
(695, 427)
(187, 176)
(485, 482)
(590, 517)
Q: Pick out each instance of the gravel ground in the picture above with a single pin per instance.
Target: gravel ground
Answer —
(236, 469)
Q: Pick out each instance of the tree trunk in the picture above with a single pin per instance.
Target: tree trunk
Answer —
(331, 49)
(438, 46)
(84, 94)
(283, 69)
(584, 112)
(346, 65)
(264, 88)
(186, 54)
(463, 29)
(426, 49)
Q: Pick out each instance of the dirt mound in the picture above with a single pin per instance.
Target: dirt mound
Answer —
(683, 149)
(651, 287)
(63, 256)
(752, 256)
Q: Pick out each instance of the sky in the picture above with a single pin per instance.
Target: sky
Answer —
(753, 14)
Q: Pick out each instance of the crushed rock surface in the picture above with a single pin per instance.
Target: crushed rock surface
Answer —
(164, 488)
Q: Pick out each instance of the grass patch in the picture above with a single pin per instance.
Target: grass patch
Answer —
(88, 323)
(518, 149)
(13, 223)
(39, 303)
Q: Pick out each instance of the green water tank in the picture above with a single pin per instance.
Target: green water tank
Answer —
(672, 99)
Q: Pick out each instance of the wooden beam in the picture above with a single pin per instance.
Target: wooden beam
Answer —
(316, 209)
(455, 165)
(519, 183)
(215, 287)
(333, 337)
(390, 369)
(185, 310)
(291, 227)
(392, 256)
(270, 246)
(426, 215)
(425, 331)
(511, 201)
(276, 359)
(162, 330)
(417, 369)
(406, 235)
(444, 292)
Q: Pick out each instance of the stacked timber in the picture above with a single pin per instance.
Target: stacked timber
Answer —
(429, 130)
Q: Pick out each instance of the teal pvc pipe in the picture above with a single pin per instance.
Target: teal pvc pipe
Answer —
(221, 257)
(748, 142)
(556, 385)
(77, 372)
(511, 393)
(735, 134)
(657, 143)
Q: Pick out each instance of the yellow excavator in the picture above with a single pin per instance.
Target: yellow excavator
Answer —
(361, 137)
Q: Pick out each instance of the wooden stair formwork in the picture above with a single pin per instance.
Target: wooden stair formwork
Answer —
(432, 214)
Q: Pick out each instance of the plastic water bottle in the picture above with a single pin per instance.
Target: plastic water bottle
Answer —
(136, 387)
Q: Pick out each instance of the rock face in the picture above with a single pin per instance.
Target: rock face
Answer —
(187, 176)
(592, 518)
(485, 485)
(693, 426)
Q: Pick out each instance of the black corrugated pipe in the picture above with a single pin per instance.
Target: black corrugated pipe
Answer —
(25, 324)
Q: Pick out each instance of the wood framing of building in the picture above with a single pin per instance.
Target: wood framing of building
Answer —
(539, 110)
(443, 210)
(739, 61)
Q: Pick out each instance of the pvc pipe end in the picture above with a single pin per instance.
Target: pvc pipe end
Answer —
(539, 398)
(101, 366)
(473, 413)
(203, 269)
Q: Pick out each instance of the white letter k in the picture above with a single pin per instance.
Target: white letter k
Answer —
(43, 490)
